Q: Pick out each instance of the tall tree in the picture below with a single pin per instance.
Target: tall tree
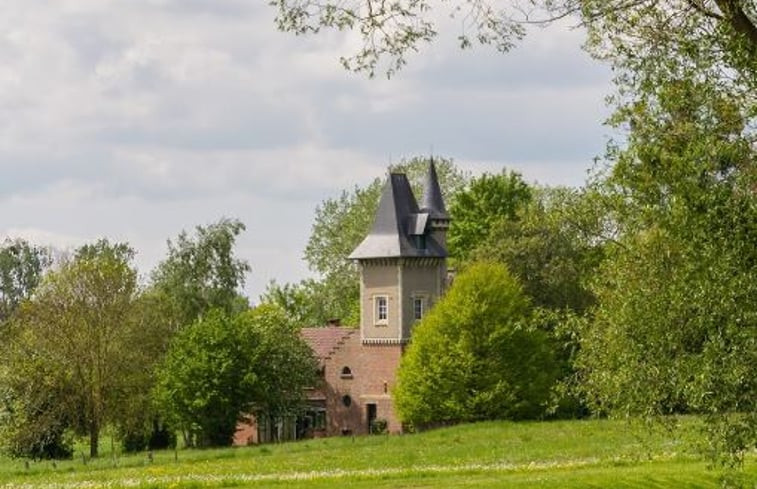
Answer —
(486, 201)
(676, 320)
(201, 272)
(552, 246)
(79, 334)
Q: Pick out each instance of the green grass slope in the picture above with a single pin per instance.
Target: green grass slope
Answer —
(569, 454)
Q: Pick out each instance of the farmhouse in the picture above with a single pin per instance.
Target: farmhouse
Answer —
(403, 272)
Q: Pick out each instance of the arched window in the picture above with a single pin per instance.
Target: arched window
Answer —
(347, 401)
(346, 373)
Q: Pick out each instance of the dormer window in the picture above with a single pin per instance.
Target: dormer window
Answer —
(381, 309)
(420, 241)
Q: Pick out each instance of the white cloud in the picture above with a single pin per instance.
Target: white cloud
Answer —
(134, 120)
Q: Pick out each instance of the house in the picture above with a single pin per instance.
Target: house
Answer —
(403, 272)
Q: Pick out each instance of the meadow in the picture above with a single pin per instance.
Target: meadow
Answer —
(566, 454)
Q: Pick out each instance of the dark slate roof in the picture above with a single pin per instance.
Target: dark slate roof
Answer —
(397, 223)
(432, 201)
(326, 340)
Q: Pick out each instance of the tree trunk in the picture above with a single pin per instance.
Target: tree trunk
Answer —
(740, 22)
(94, 438)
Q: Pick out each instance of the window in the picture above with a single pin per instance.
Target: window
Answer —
(418, 307)
(346, 373)
(347, 401)
(382, 309)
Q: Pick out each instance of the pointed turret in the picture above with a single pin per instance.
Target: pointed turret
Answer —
(399, 229)
(402, 262)
(432, 201)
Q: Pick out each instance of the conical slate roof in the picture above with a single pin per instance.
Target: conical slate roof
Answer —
(432, 201)
(400, 228)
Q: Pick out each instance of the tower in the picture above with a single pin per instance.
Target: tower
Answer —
(402, 260)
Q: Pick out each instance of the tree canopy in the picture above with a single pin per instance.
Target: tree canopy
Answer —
(75, 353)
(201, 272)
(484, 202)
(674, 326)
(643, 32)
(21, 268)
(223, 366)
(474, 356)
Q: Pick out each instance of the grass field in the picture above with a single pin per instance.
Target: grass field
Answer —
(565, 454)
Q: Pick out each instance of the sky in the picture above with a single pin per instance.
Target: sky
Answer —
(136, 119)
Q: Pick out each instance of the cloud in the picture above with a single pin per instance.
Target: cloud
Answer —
(135, 120)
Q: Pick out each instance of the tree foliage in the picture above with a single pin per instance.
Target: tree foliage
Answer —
(552, 246)
(21, 268)
(484, 202)
(675, 327)
(643, 32)
(223, 366)
(201, 272)
(76, 353)
(474, 357)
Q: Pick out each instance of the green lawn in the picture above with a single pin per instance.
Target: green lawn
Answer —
(570, 454)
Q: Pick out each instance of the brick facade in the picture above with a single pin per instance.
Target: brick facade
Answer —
(356, 377)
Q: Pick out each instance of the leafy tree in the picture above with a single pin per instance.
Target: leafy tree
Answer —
(305, 302)
(486, 200)
(340, 225)
(75, 348)
(676, 320)
(223, 366)
(21, 268)
(474, 357)
(33, 421)
(553, 247)
(201, 272)
(726, 29)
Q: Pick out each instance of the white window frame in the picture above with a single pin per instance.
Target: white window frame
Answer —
(419, 299)
(377, 319)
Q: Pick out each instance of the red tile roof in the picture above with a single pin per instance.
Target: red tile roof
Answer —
(325, 341)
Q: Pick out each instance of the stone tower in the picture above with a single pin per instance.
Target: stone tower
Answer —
(402, 261)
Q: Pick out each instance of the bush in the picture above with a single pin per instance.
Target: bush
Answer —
(475, 356)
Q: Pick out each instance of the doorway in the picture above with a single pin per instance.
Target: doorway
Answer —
(371, 414)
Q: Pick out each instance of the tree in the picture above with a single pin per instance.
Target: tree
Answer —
(201, 272)
(474, 356)
(725, 29)
(340, 225)
(75, 347)
(21, 268)
(675, 325)
(552, 247)
(222, 367)
(486, 200)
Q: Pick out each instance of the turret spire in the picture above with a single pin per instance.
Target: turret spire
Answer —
(432, 201)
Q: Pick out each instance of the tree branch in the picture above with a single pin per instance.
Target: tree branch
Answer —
(740, 22)
(699, 7)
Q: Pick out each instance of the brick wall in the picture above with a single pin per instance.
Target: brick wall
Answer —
(373, 370)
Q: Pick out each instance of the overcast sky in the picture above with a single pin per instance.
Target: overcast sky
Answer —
(135, 119)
